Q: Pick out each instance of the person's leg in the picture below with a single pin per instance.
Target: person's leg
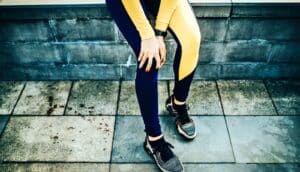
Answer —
(145, 82)
(186, 32)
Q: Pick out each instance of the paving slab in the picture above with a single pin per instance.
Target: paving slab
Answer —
(241, 167)
(128, 99)
(9, 93)
(245, 97)
(203, 98)
(57, 167)
(286, 96)
(127, 167)
(211, 145)
(43, 98)
(3, 121)
(222, 167)
(57, 138)
(133, 167)
(265, 139)
(93, 98)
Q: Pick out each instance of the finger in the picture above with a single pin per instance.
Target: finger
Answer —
(140, 55)
(161, 52)
(161, 56)
(149, 63)
(157, 59)
(143, 59)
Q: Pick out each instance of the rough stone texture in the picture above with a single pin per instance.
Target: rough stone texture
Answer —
(93, 98)
(31, 53)
(9, 93)
(133, 167)
(209, 167)
(214, 8)
(246, 70)
(43, 98)
(203, 98)
(58, 167)
(84, 29)
(210, 52)
(265, 139)
(128, 104)
(236, 42)
(3, 121)
(25, 30)
(245, 97)
(285, 52)
(56, 12)
(97, 53)
(245, 51)
(240, 8)
(214, 148)
(242, 167)
(212, 29)
(58, 72)
(63, 138)
(286, 96)
(257, 28)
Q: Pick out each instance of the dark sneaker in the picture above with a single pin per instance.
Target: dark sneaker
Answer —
(164, 157)
(185, 125)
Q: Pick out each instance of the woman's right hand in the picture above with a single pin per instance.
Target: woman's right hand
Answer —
(149, 50)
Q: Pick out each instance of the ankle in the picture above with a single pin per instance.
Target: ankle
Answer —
(177, 102)
(154, 138)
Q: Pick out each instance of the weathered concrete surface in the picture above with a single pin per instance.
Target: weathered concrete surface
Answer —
(9, 93)
(245, 97)
(42, 43)
(134, 167)
(265, 139)
(3, 121)
(242, 167)
(211, 145)
(258, 28)
(58, 167)
(93, 98)
(203, 98)
(63, 138)
(84, 29)
(43, 98)
(286, 96)
(128, 100)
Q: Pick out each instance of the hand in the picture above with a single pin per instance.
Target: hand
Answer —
(162, 50)
(149, 50)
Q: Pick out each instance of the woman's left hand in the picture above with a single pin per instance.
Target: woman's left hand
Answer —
(162, 50)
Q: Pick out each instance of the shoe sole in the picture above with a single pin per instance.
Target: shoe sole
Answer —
(169, 109)
(149, 150)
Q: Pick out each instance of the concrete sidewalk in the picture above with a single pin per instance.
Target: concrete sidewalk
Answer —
(242, 125)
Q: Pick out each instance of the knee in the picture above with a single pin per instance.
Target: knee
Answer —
(142, 75)
(192, 41)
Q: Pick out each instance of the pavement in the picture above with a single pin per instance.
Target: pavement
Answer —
(86, 125)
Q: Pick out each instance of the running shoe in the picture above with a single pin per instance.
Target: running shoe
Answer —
(184, 123)
(164, 157)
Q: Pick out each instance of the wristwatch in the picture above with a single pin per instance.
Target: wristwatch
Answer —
(160, 33)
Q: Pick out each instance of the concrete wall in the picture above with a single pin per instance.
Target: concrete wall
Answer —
(58, 42)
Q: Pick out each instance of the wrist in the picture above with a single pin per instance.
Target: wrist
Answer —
(160, 33)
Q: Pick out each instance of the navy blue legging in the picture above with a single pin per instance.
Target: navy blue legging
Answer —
(188, 44)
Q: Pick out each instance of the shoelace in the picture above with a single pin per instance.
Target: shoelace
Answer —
(164, 149)
(183, 114)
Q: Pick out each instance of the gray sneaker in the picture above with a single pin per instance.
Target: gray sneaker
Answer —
(165, 159)
(185, 125)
